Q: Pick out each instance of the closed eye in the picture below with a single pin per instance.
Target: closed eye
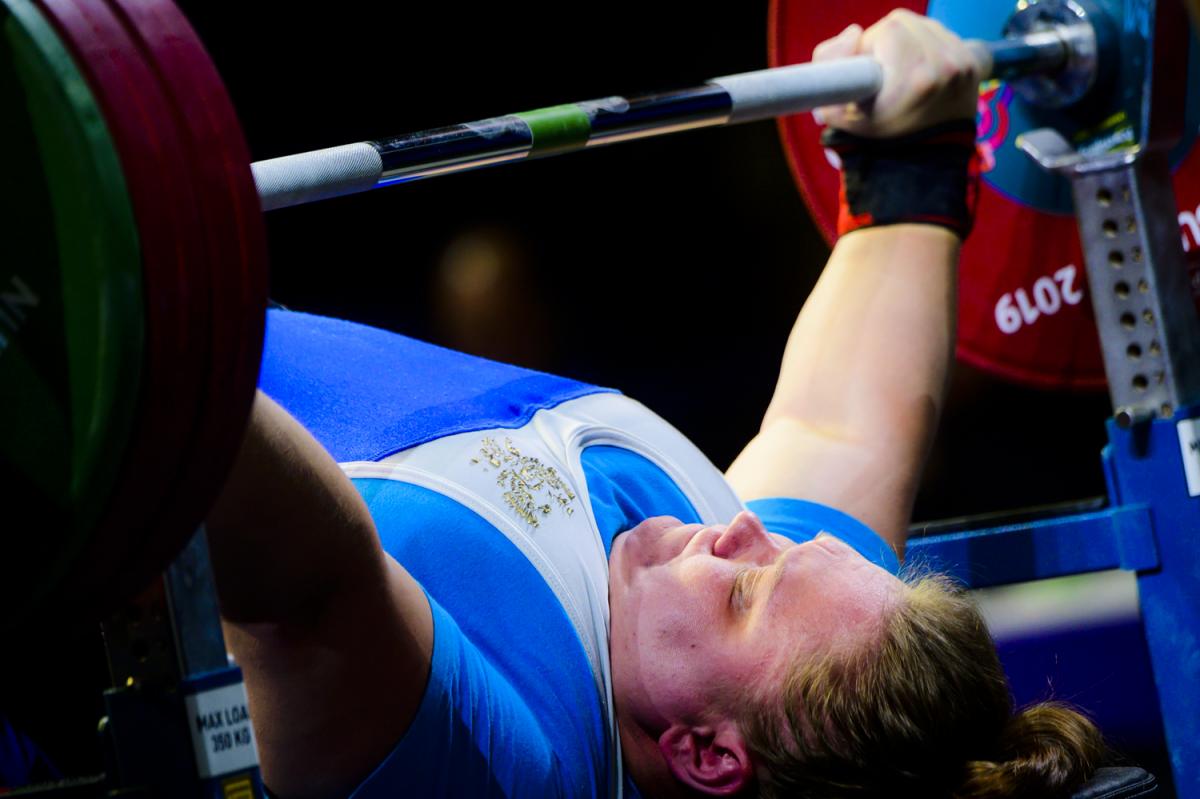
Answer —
(736, 597)
(741, 592)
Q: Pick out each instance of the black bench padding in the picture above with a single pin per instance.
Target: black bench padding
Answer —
(1118, 783)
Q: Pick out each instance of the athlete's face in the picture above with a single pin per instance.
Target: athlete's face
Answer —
(702, 613)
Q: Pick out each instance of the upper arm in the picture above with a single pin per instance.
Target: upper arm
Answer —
(330, 698)
(333, 636)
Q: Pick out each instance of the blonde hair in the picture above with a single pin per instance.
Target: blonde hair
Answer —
(923, 710)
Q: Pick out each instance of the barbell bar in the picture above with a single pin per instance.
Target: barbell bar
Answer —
(1067, 45)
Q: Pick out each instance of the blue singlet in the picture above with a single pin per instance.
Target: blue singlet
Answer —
(511, 708)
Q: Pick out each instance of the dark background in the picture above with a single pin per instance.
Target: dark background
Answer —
(671, 268)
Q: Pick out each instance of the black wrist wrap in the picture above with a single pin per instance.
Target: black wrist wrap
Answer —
(927, 177)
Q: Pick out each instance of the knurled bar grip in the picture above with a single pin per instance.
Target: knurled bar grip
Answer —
(746, 97)
(317, 175)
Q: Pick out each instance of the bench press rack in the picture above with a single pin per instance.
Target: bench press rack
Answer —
(1150, 337)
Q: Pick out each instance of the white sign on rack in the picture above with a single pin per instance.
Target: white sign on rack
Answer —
(1189, 445)
(221, 733)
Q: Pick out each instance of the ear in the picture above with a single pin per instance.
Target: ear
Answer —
(712, 759)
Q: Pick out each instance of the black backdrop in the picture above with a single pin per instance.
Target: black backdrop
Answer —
(671, 269)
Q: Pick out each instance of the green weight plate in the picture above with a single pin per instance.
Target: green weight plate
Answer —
(148, 138)
(71, 315)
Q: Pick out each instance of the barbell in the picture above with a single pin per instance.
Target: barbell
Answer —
(1064, 48)
(132, 294)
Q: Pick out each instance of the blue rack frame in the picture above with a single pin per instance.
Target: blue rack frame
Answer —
(1151, 526)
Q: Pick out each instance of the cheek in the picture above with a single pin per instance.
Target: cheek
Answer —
(676, 639)
(693, 588)
(678, 614)
(674, 652)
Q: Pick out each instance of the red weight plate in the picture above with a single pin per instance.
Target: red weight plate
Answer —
(178, 322)
(1023, 312)
(235, 241)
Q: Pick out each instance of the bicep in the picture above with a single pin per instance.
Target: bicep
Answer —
(331, 696)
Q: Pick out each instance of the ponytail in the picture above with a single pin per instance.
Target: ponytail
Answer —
(1045, 750)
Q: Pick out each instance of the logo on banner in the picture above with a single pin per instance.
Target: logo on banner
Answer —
(994, 100)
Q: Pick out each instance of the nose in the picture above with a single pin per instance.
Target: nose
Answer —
(744, 536)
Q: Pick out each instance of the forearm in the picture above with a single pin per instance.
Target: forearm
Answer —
(869, 355)
(865, 368)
